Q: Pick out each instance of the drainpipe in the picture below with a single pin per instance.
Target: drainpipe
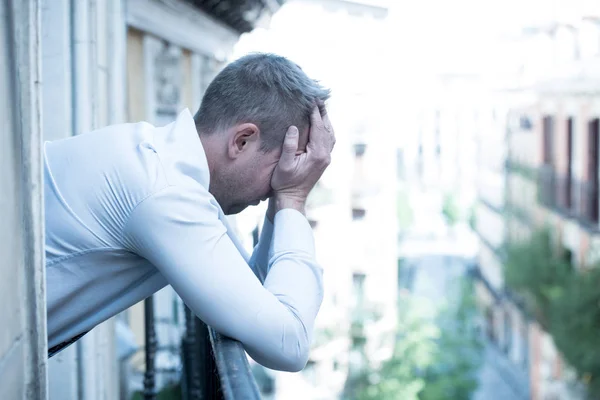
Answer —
(82, 122)
(117, 64)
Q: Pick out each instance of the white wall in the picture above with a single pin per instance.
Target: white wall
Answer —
(22, 294)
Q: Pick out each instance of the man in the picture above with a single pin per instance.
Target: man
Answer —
(131, 208)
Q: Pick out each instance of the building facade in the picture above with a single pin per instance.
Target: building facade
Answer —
(23, 341)
(76, 66)
(549, 178)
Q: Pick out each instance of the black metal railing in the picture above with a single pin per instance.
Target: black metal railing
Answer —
(504, 294)
(588, 204)
(547, 187)
(214, 367)
(522, 169)
(150, 337)
(499, 251)
(236, 379)
(569, 197)
(519, 212)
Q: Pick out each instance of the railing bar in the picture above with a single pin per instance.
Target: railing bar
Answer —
(149, 375)
(236, 379)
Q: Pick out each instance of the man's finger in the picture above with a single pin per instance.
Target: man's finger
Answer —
(316, 121)
(317, 133)
(329, 129)
(290, 146)
(327, 123)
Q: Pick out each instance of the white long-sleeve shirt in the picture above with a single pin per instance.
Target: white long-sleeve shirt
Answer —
(128, 211)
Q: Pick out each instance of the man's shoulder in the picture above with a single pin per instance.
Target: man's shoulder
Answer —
(109, 169)
(181, 153)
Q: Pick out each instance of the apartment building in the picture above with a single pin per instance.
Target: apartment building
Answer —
(547, 176)
(568, 135)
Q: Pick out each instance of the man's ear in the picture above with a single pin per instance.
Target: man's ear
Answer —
(244, 136)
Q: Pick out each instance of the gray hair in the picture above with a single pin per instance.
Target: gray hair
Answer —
(265, 89)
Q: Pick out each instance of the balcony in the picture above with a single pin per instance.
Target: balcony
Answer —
(214, 366)
(569, 197)
(501, 295)
(516, 167)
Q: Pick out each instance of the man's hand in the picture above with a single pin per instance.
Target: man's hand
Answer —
(296, 174)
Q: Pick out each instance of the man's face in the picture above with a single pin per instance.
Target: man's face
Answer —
(249, 180)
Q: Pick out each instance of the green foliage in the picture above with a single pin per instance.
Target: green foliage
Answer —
(523, 170)
(404, 210)
(436, 355)
(575, 326)
(460, 350)
(565, 302)
(535, 270)
(170, 392)
(472, 218)
(450, 209)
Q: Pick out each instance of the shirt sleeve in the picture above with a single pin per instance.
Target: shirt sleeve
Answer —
(259, 261)
(179, 232)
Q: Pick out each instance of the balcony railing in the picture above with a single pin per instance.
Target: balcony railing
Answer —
(499, 251)
(524, 170)
(501, 295)
(214, 366)
(569, 197)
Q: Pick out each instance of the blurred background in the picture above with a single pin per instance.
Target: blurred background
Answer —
(458, 225)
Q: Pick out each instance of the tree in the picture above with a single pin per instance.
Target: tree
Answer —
(400, 377)
(436, 356)
(450, 209)
(564, 301)
(459, 350)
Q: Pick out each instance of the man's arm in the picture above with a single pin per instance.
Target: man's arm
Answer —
(259, 261)
(179, 232)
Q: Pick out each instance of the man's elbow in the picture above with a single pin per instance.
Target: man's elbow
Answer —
(295, 362)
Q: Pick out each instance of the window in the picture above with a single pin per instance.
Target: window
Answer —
(548, 145)
(358, 214)
(525, 123)
(548, 192)
(591, 187)
(359, 149)
(358, 283)
(567, 190)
